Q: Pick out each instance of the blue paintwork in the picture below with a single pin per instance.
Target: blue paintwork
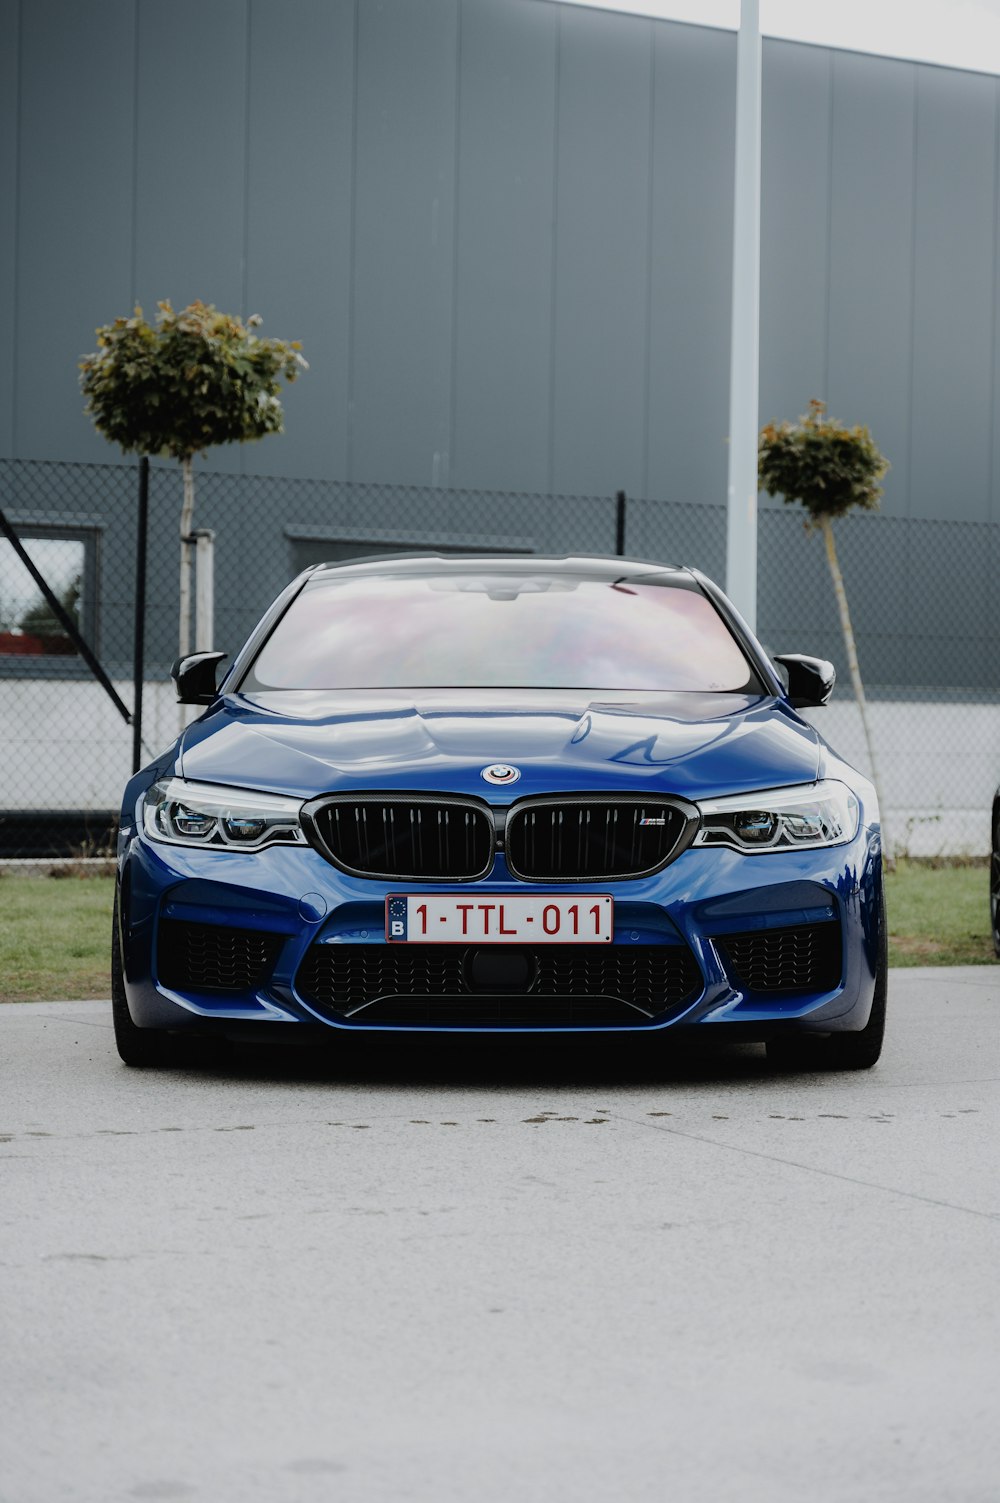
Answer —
(695, 746)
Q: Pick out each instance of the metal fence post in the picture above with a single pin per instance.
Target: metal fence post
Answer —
(139, 648)
(744, 358)
(204, 589)
(621, 501)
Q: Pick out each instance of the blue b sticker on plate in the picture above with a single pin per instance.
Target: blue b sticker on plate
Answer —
(396, 919)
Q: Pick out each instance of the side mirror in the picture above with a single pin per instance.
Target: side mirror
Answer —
(810, 680)
(195, 677)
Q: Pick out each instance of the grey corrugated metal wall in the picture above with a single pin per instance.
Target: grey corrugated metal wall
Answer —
(502, 229)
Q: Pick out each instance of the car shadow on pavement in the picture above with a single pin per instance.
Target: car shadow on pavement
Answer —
(487, 1062)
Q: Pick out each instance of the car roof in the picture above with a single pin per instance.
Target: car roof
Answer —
(592, 565)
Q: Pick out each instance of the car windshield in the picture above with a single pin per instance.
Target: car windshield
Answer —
(501, 629)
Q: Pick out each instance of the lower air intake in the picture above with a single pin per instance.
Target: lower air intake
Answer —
(501, 1012)
(213, 957)
(550, 986)
(806, 958)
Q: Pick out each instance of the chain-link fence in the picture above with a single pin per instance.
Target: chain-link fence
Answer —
(925, 597)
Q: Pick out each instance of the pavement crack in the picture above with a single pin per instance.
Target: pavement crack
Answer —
(55, 1017)
(774, 1158)
(88, 1257)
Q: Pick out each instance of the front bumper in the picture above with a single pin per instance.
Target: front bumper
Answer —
(296, 899)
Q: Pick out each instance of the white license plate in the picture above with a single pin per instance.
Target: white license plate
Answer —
(495, 919)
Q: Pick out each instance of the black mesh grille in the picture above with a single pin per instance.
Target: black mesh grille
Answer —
(344, 977)
(804, 959)
(574, 840)
(214, 958)
(425, 838)
(640, 981)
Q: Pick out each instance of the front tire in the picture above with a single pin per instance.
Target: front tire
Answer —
(840, 1051)
(139, 1047)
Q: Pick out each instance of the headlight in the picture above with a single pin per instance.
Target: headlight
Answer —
(230, 819)
(781, 819)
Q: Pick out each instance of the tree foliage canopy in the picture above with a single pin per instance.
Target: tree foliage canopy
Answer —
(198, 378)
(817, 461)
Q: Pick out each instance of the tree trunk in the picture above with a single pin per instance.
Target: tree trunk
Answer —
(187, 520)
(852, 663)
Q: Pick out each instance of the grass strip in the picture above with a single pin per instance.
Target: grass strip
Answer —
(55, 938)
(939, 915)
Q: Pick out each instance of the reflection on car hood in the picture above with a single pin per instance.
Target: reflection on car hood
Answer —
(308, 742)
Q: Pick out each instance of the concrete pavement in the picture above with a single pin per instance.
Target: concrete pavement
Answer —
(521, 1273)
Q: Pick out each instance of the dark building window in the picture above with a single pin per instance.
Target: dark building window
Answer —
(66, 557)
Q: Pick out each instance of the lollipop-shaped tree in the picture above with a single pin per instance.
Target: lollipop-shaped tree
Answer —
(198, 378)
(831, 470)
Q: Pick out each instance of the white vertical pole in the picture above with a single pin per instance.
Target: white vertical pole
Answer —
(204, 589)
(741, 528)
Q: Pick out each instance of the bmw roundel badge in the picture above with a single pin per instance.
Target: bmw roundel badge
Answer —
(501, 772)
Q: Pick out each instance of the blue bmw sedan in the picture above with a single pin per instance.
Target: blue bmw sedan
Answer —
(502, 794)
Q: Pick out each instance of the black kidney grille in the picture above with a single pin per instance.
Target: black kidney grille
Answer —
(642, 980)
(806, 958)
(213, 957)
(400, 838)
(570, 841)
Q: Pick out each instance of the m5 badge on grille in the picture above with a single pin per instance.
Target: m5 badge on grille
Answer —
(495, 919)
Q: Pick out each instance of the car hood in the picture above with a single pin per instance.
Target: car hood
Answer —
(308, 742)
